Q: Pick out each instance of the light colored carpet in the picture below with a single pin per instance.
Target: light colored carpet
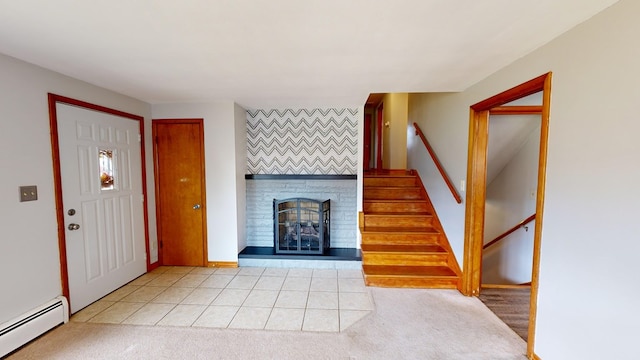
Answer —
(407, 324)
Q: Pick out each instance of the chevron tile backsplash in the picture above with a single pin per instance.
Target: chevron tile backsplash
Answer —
(302, 141)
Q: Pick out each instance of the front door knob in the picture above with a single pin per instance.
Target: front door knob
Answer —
(73, 227)
(196, 206)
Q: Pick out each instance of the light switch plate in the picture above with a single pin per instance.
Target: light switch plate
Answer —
(28, 193)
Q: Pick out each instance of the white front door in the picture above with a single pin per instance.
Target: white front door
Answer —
(101, 172)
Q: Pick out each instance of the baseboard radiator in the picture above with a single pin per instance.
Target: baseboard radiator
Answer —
(30, 325)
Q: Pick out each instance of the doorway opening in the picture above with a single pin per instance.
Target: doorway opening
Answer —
(477, 184)
(512, 167)
(373, 132)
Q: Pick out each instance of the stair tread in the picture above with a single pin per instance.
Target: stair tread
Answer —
(403, 248)
(397, 206)
(389, 173)
(394, 229)
(408, 271)
(390, 176)
(391, 213)
(413, 282)
(396, 200)
(392, 187)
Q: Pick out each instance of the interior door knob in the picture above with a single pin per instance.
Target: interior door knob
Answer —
(73, 227)
(196, 206)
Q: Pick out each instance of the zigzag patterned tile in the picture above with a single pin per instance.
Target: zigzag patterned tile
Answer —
(308, 142)
(302, 141)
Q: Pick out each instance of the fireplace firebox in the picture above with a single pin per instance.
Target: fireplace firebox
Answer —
(301, 226)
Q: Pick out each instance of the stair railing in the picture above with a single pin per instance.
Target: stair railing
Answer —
(522, 223)
(443, 173)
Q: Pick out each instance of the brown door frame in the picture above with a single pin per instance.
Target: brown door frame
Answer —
(476, 187)
(200, 123)
(368, 118)
(57, 177)
(379, 127)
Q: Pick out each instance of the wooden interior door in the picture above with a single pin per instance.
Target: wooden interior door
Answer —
(180, 189)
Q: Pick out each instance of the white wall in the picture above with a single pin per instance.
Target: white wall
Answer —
(29, 257)
(447, 135)
(359, 183)
(587, 304)
(511, 199)
(240, 121)
(220, 141)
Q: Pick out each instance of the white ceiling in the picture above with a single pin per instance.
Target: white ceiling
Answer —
(281, 53)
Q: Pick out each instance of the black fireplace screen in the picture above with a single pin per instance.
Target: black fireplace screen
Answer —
(301, 226)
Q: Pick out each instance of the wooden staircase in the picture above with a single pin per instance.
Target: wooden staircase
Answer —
(403, 243)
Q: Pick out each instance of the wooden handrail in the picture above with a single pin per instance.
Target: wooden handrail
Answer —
(438, 165)
(508, 232)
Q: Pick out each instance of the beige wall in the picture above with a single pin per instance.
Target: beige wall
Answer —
(510, 199)
(29, 256)
(587, 305)
(221, 167)
(240, 135)
(395, 112)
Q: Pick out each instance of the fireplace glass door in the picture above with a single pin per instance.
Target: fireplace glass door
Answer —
(301, 226)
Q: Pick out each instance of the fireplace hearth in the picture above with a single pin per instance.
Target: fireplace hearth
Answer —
(301, 226)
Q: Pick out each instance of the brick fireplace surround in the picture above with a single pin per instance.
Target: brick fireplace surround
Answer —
(340, 189)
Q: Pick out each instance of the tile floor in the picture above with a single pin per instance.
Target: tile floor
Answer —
(240, 298)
